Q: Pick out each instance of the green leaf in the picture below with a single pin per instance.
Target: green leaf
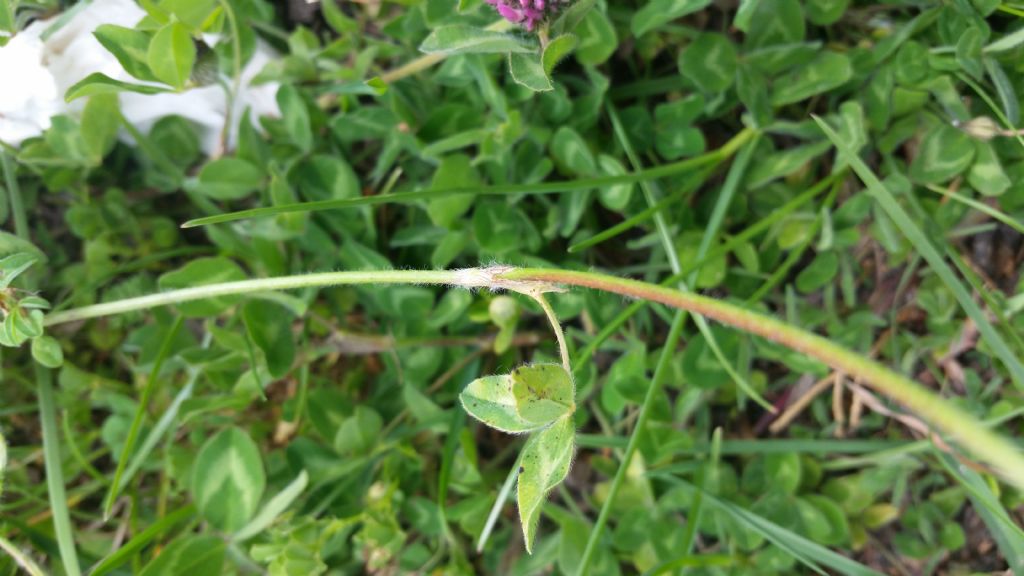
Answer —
(229, 179)
(171, 55)
(129, 46)
(195, 555)
(783, 163)
(490, 400)
(274, 508)
(527, 71)
(455, 171)
(657, 12)
(100, 121)
(820, 272)
(543, 465)
(571, 17)
(462, 39)
(47, 351)
(359, 433)
(828, 71)
(597, 39)
(774, 22)
(543, 393)
(14, 265)
(709, 62)
(825, 12)
(556, 51)
(197, 273)
(295, 116)
(270, 327)
(986, 174)
(228, 479)
(99, 83)
(529, 398)
(945, 152)
(968, 51)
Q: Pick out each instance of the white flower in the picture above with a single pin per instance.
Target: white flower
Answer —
(42, 71)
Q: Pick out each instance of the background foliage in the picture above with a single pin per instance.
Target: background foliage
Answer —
(320, 431)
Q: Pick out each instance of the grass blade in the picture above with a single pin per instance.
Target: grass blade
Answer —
(1008, 536)
(980, 207)
(140, 413)
(54, 473)
(813, 555)
(931, 255)
(140, 540)
(274, 508)
(500, 190)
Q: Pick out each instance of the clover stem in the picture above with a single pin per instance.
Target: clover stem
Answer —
(563, 349)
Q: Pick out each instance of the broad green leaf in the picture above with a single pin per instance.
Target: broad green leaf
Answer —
(360, 432)
(556, 51)
(191, 554)
(657, 12)
(944, 153)
(1007, 93)
(752, 90)
(674, 136)
(775, 22)
(229, 179)
(614, 198)
(228, 479)
(543, 465)
(986, 174)
(709, 62)
(270, 326)
(825, 12)
(14, 265)
(101, 119)
(543, 393)
(171, 55)
(828, 71)
(129, 46)
(744, 15)
(274, 508)
(527, 71)
(455, 171)
(462, 39)
(99, 83)
(783, 163)
(490, 400)
(597, 39)
(197, 273)
(47, 351)
(571, 152)
(571, 17)
(968, 51)
(194, 13)
(295, 117)
(818, 273)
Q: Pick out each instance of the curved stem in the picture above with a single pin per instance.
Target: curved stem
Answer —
(1002, 455)
(556, 326)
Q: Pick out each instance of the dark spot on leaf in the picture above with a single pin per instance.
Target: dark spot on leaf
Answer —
(521, 469)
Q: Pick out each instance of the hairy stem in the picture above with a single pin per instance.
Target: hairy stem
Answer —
(556, 326)
(1002, 455)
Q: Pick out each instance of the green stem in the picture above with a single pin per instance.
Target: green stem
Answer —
(947, 418)
(994, 449)
(581, 184)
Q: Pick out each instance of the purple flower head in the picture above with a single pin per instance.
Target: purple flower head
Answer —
(526, 13)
